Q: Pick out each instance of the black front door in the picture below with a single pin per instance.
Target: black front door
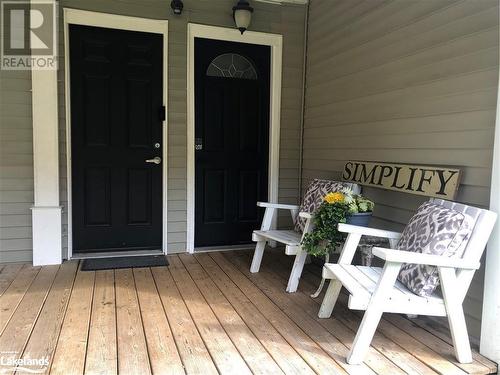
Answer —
(231, 140)
(116, 125)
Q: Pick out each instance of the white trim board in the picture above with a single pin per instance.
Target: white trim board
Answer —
(275, 41)
(46, 212)
(490, 320)
(113, 21)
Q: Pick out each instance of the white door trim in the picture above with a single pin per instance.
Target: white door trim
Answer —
(275, 41)
(490, 321)
(113, 21)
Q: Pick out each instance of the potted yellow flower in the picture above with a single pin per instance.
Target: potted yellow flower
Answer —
(338, 207)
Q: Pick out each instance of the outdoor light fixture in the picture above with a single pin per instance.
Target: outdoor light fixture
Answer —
(242, 15)
(177, 6)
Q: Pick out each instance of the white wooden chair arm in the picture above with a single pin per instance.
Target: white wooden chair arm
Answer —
(365, 231)
(401, 256)
(305, 215)
(278, 206)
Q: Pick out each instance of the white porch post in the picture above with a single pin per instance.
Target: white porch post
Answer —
(490, 323)
(47, 243)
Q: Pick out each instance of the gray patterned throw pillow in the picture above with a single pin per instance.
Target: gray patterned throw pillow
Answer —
(314, 195)
(435, 230)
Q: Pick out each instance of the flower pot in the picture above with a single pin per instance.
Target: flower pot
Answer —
(361, 219)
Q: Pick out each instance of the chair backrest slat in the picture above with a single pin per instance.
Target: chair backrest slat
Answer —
(484, 223)
(475, 248)
(459, 207)
(480, 235)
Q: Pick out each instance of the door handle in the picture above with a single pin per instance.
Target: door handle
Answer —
(155, 160)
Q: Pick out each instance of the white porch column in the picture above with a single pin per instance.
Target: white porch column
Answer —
(490, 323)
(47, 243)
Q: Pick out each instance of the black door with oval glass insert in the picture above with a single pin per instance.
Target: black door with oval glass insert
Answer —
(116, 134)
(231, 140)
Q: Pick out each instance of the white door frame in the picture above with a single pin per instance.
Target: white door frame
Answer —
(490, 321)
(113, 21)
(275, 41)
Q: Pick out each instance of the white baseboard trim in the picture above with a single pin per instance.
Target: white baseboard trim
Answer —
(47, 239)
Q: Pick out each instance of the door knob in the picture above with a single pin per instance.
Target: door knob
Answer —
(155, 160)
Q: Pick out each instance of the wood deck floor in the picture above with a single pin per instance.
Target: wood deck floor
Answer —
(204, 314)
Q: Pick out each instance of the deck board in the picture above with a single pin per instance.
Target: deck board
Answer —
(258, 359)
(69, 356)
(440, 330)
(402, 339)
(222, 350)
(102, 354)
(442, 360)
(292, 303)
(15, 293)
(132, 352)
(344, 325)
(43, 339)
(311, 351)
(18, 330)
(204, 314)
(329, 343)
(7, 275)
(162, 350)
(283, 353)
(381, 345)
(192, 349)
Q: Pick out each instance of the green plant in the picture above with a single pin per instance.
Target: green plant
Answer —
(335, 209)
(358, 203)
(325, 237)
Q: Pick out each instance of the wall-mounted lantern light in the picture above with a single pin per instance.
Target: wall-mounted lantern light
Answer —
(177, 6)
(242, 14)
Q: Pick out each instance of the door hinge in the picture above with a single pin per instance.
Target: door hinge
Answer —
(163, 113)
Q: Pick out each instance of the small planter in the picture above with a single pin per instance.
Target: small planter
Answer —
(361, 219)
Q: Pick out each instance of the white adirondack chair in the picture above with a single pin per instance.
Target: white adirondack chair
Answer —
(377, 290)
(290, 238)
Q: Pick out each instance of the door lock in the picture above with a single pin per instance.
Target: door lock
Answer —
(198, 144)
(155, 160)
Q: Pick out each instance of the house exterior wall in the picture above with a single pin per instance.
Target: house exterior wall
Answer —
(409, 82)
(16, 158)
(16, 166)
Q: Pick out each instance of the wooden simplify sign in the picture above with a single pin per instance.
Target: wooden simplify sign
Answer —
(430, 181)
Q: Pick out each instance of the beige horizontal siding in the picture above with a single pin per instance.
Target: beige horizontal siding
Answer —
(403, 81)
(16, 166)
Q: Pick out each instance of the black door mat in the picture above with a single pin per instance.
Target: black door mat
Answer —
(124, 262)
